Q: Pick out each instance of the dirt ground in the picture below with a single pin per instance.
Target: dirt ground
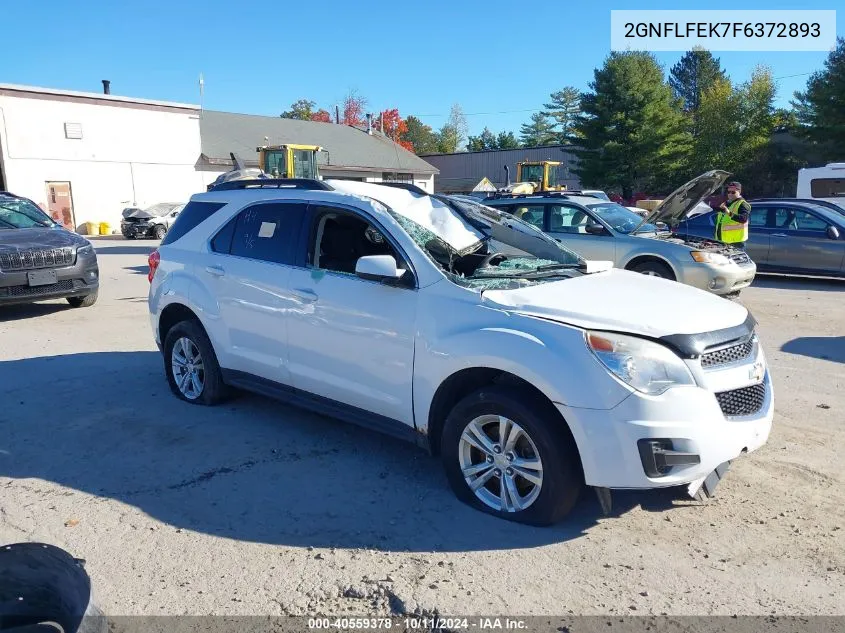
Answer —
(258, 508)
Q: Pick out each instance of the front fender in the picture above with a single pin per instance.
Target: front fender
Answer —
(551, 356)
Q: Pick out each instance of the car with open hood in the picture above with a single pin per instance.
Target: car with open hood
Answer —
(152, 222)
(529, 370)
(40, 259)
(647, 244)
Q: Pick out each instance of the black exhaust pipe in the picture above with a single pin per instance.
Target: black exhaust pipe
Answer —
(106, 87)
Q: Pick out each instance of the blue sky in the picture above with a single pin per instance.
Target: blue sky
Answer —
(421, 57)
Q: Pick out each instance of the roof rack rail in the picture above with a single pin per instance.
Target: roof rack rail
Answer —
(279, 183)
(540, 194)
(405, 185)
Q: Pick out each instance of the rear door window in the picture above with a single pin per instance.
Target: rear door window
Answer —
(759, 217)
(268, 232)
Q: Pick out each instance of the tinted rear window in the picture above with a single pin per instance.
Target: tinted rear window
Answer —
(268, 232)
(192, 215)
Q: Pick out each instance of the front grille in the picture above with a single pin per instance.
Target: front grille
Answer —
(745, 401)
(32, 259)
(66, 285)
(727, 355)
(740, 258)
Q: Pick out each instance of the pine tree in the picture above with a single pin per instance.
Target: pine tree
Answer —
(563, 108)
(540, 131)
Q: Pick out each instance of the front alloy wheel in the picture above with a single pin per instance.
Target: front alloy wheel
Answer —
(500, 463)
(188, 368)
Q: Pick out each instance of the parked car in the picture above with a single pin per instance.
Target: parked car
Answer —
(788, 236)
(152, 222)
(530, 370)
(40, 259)
(596, 193)
(608, 231)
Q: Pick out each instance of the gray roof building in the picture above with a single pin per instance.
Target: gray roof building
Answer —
(461, 171)
(349, 148)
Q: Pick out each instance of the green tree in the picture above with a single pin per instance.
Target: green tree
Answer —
(302, 109)
(484, 141)
(540, 131)
(696, 71)
(735, 133)
(422, 138)
(563, 108)
(633, 133)
(453, 134)
(506, 140)
(820, 109)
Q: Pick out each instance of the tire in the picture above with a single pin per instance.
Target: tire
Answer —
(562, 477)
(83, 302)
(159, 232)
(654, 269)
(212, 390)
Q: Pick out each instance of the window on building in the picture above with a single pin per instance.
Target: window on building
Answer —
(392, 176)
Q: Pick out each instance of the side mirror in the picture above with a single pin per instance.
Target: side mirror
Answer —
(595, 229)
(833, 232)
(380, 268)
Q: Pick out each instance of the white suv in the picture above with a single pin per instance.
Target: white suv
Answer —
(465, 330)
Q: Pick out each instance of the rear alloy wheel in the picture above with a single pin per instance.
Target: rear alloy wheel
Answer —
(159, 232)
(191, 365)
(654, 269)
(507, 455)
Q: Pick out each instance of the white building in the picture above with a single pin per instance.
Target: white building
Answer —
(84, 157)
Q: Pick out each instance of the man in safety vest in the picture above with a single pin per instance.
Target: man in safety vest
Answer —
(732, 220)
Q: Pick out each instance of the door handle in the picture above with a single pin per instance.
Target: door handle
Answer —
(305, 294)
(779, 235)
(217, 271)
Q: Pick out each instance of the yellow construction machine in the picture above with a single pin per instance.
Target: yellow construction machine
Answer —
(535, 177)
(289, 160)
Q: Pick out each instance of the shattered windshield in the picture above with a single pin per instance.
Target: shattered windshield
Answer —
(510, 254)
(16, 213)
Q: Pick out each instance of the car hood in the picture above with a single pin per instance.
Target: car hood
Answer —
(13, 240)
(684, 199)
(623, 301)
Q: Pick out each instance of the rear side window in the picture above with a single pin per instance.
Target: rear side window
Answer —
(268, 232)
(758, 217)
(222, 242)
(189, 218)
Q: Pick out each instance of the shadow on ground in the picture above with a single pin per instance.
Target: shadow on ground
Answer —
(32, 310)
(823, 347)
(251, 469)
(138, 270)
(783, 282)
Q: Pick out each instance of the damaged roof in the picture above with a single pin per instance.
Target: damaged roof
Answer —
(349, 148)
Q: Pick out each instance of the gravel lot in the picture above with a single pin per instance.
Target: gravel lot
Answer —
(258, 508)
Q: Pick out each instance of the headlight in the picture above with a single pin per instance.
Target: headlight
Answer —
(85, 250)
(646, 366)
(704, 257)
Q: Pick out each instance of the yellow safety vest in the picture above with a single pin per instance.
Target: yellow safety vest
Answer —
(729, 230)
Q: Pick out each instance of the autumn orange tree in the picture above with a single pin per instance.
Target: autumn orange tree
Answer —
(394, 127)
(322, 116)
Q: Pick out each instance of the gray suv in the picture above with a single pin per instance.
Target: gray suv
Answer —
(601, 230)
(40, 259)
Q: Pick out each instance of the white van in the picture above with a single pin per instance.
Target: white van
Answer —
(825, 183)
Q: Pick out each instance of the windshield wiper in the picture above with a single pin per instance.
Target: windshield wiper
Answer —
(9, 224)
(558, 267)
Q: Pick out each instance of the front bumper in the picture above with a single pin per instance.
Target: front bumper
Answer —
(719, 280)
(135, 229)
(79, 280)
(609, 440)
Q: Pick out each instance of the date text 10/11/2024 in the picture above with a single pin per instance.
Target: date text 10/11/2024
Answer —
(416, 623)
